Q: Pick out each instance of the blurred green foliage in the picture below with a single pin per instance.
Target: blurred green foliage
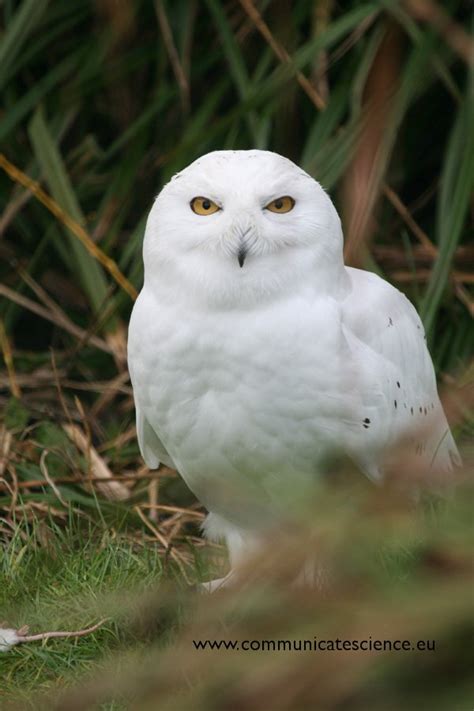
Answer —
(102, 102)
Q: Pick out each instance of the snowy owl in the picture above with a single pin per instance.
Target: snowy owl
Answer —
(254, 352)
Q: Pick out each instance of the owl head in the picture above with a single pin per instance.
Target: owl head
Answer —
(235, 226)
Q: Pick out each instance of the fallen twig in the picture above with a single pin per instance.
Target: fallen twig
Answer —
(98, 468)
(50, 481)
(10, 637)
(65, 323)
(33, 483)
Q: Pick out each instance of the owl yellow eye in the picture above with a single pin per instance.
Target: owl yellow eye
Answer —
(203, 206)
(281, 204)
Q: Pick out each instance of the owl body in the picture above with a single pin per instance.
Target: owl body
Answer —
(244, 429)
(255, 354)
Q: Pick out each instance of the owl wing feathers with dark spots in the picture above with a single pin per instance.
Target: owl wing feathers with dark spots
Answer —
(385, 320)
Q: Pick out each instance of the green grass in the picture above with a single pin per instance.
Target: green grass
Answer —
(78, 576)
(394, 572)
(101, 111)
(63, 586)
(92, 108)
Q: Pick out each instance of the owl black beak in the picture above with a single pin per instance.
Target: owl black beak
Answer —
(241, 254)
(242, 232)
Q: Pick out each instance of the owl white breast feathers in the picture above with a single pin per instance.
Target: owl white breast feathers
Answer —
(254, 352)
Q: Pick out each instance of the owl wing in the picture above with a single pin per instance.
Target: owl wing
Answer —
(383, 319)
(151, 448)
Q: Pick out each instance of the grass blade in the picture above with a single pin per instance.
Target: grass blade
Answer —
(457, 183)
(23, 23)
(90, 273)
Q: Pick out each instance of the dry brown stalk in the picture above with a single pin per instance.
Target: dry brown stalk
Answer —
(43, 296)
(176, 555)
(15, 487)
(282, 54)
(463, 296)
(153, 489)
(108, 394)
(365, 175)
(5, 445)
(38, 379)
(423, 238)
(453, 33)
(65, 323)
(424, 275)
(74, 227)
(50, 481)
(174, 525)
(321, 18)
(352, 39)
(12, 209)
(173, 55)
(6, 485)
(159, 536)
(79, 479)
(99, 386)
(111, 488)
(8, 358)
(396, 256)
(175, 509)
(115, 339)
(404, 213)
(120, 440)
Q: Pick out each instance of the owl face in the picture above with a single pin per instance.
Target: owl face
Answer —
(240, 218)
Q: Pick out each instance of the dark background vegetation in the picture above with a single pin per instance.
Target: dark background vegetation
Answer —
(101, 103)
